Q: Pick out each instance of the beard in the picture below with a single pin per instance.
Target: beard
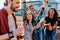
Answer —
(13, 8)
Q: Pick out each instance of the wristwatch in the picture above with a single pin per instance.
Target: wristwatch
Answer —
(10, 34)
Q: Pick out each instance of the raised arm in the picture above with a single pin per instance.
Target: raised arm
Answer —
(41, 8)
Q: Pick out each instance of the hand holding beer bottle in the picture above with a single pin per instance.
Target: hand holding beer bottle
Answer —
(46, 2)
(21, 26)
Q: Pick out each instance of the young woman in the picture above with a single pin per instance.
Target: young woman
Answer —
(29, 24)
(51, 22)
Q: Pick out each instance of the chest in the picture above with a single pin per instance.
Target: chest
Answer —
(51, 21)
(29, 27)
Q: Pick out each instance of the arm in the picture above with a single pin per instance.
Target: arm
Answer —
(34, 27)
(46, 24)
(55, 26)
(41, 8)
(6, 36)
(56, 23)
(40, 23)
(3, 37)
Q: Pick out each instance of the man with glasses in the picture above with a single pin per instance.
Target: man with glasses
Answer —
(38, 12)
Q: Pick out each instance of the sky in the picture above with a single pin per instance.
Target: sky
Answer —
(2, 4)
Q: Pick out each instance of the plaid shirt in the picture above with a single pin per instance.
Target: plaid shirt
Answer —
(38, 14)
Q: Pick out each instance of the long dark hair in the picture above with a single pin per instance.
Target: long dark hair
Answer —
(55, 15)
(26, 21)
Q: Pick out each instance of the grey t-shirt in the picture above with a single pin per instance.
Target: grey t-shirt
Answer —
(11, 26)
(28, 32)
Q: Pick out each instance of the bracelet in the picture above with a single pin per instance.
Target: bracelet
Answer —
(10, 34)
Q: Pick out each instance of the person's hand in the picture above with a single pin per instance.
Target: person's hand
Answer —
(41, 23)
(34, 27)
(46, 2)
(19, 31)
(22, 29)
(49, 24)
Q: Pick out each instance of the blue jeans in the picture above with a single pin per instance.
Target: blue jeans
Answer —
(50, 35)
(39, 34)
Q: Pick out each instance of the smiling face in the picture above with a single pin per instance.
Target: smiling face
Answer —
(29, 16)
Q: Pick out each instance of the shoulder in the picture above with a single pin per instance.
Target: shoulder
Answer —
(1, 12)
(47, 17)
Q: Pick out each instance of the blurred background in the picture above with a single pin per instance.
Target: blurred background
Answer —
(36, 3)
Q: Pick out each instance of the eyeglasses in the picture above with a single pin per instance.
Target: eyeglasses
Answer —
(31, 8)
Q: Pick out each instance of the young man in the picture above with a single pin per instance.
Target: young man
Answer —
(8, 25)
(31, 8)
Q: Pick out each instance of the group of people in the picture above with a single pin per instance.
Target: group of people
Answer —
(50, 23)
(10, 31)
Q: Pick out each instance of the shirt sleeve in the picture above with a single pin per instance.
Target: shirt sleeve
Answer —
(45, 18)
(41, 8)
(0, 22)
(0, 17)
